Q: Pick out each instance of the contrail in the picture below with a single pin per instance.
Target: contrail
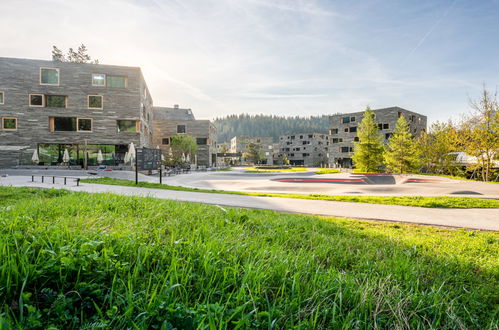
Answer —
(430, 31)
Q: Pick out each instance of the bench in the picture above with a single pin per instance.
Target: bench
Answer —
(56, 176)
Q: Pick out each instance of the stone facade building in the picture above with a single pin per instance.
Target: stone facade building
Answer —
(168, 122)
(239, 144)
(307, 149)
(343, 131)
(52, 106)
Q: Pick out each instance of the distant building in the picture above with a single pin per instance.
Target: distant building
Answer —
(239, 144)
(168, 122)
(52, 106)
(307, 149)
(343, 131)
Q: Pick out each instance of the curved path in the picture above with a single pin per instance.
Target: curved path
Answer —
(483, 219)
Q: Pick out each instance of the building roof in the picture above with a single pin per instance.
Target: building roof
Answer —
(175, 114)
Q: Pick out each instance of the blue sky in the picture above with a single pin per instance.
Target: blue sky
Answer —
(278, 57)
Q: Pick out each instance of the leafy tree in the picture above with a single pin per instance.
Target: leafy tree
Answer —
(402, 154)
(368, 151)
(254, 153)
(182, 145)
(480, 133)
(78, 56)
(285, 160)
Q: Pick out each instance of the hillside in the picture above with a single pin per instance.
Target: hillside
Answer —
(267, 125)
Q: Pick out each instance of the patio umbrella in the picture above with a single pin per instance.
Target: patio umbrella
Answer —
(188, 158)
(126, 159)
(196, 159)
(65, 157)
(131, 152)
(99, 157)
(35, 158)
(183, 157)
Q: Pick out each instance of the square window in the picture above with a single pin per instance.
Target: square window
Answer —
(127, 126)
(116, 81)
(9, 123)
(49, 76)
(346, 130)
(344, 149)
(380, 126)
(56, 101)
(334, 131)
(84, 125)
(36, 100)
(353, 129)
(95, 101)
(165, 141)
(346, 120)
(386, 126)
(180, 128)
(1, 98)
(352, 118)
(98, 79)
(201, 141)
(356, 139)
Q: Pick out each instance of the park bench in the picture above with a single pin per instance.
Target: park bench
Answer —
(77, 180)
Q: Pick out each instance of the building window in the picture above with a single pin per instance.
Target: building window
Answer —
(352, 119)
(351, 149)
(387, 135)
(356, 139)
(380, 126)
(84, 125)
(346, 120)
(95, 101)
(333, 131)
(116, 81)
(62, 124)
(165, 141)
(310, 136)
(131, 126)
(399, 114)
(49, 76)
(1, 98)
(98, 79)
(36, 100)
(9, 123)
(345, 149)
(346, 129)
(202, 141)
(335, 140)
(306, 154)
(56, 101)
(301, 136)
(180, 128)
(353, 129)
(386, 126)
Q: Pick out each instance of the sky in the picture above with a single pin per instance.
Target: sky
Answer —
(280, 57)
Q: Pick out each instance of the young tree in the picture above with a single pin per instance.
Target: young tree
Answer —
(254, 153)
(78, 56)
(480, 133)
(183, 145)
(368, 151)
(285, 160)
(402, 155)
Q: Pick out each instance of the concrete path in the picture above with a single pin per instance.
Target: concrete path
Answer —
(484, 219)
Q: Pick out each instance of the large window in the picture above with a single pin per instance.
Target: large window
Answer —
(49, 76)
(346, 120)
(56, 101)
(180, 128)
(63, 124)
(345, 149)
(353, 129)
(127, 126)
(95, 101)
(116, 81)
(36, 100)
(84, 125)
(202, 141)
(1, 98)
(9, 123)
(165, 141)
(98, 79)
(333, 131)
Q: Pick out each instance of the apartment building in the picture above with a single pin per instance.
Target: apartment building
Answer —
(307, 149)
(239, 144)
(168, 122)
(85, 108)
(343, 131)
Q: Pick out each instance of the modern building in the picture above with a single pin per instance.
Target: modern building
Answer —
(168, 122)
(307, 149)
(239, 144)
(85, 108)
(343, 131)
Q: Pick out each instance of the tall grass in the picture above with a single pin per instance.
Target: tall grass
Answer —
(100, 260)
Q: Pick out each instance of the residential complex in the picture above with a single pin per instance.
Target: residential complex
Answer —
(343, 131)
(239, 144)
(168, 122)
(53, 106)
(308, 149)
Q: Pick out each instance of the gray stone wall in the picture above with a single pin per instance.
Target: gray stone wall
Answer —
(308, 149)
(21, 77)
(344, 138)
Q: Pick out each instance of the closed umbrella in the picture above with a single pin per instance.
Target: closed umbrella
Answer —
(196, 159)
(65, 157)
(126, 159)
(188, 158)
(183, 157)
(35, 158)
(99, 157)
(131, 152)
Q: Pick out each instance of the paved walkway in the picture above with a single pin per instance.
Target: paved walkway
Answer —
(484, 219)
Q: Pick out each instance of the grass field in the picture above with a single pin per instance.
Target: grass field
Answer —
(418, 201)
(76, 260)
(316, 170)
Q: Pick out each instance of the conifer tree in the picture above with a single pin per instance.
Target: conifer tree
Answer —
(402, 155)
(368, 151)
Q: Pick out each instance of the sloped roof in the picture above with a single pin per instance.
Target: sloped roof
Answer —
(175, 114)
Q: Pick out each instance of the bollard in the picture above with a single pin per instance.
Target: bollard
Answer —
(64, 180)
(53, 179)
(32, 178)
(43, 179)
(78, 182)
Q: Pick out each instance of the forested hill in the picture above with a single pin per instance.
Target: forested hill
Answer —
(267, 125)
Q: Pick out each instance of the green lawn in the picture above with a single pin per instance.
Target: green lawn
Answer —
(77, 260)
(433, 202)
